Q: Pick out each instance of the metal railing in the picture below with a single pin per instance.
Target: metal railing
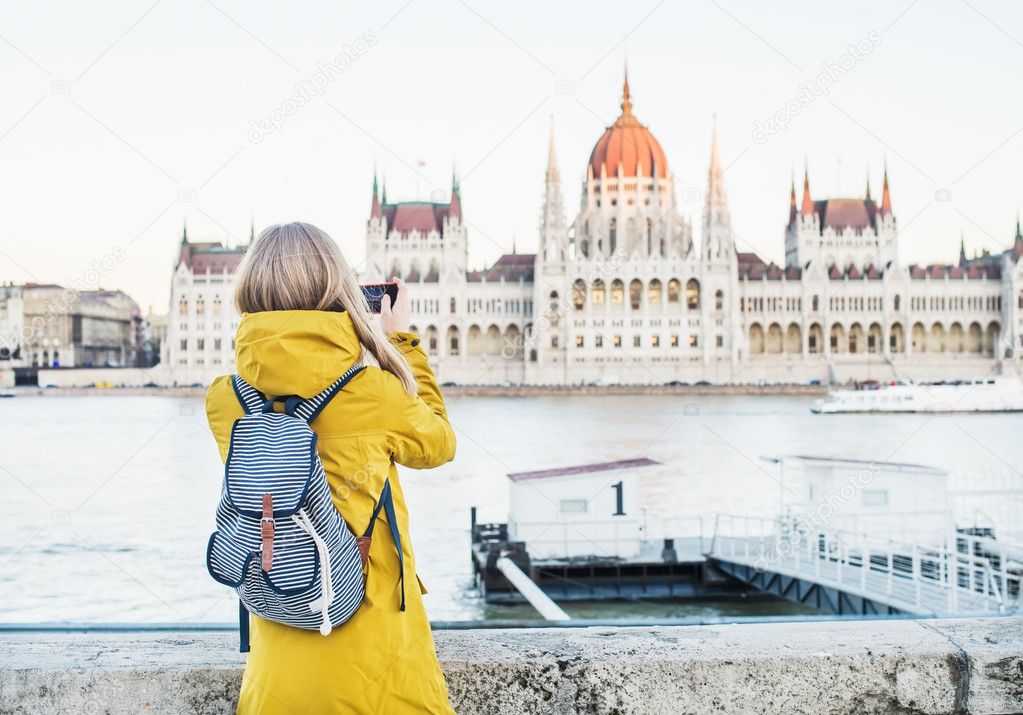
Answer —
(966, 575)
(602, 538)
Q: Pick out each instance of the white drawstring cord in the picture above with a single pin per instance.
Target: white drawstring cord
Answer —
(326, 598)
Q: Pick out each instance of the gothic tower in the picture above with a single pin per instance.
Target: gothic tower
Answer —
(717, 222)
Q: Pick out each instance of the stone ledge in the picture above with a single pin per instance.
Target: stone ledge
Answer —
(912, 666)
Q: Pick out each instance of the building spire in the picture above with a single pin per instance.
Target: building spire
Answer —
(962, 248)
(716, 209)
(553, 206)
(868, 184)
(714, 161)
(1019, 234)
(793, 208)
(184, 231)
(374, 210)
(552, 159)
(252, 229)
(626, 95)
(717, 222)
(886, 196)
(455, 207)
(807, 208)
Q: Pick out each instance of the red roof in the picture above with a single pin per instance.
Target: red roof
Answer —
(510, 267)
(749, 258)
(410, 217)
(584, 469)
(841, 214)
(421, 216)
(753, 267)
(211, 257)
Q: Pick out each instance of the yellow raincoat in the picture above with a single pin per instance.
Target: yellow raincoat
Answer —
(382, 660)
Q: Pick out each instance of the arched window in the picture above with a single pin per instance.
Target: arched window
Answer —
(452, 305)
(692, 294)
(452, 340)
(635, 294)
(597, 293)
(674, 290)
(719, 300)
(815, 303)
(579, 294)
(898, 301)
(815, 339)
(617, 292)
(200, 305)
(613, 234)
(183, 306)
(653, 292)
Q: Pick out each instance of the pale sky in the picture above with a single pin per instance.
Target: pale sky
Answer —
(121, 120)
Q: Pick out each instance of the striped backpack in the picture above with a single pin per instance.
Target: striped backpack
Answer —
(280, 543)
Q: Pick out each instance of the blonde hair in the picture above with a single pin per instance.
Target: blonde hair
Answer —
(296, 266)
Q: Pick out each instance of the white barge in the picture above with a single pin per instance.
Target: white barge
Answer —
(992, 394)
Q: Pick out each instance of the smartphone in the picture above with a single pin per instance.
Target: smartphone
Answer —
(374, 292)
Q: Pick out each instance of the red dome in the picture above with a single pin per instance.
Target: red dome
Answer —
(628, 144)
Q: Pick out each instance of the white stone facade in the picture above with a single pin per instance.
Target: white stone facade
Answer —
(201, 320)
(622, 295)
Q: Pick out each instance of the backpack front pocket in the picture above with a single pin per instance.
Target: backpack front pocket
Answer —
(291, 585)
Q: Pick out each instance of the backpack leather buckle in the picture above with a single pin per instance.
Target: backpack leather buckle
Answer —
(266, 531)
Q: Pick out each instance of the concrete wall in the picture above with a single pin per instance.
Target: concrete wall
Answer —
(923, 666)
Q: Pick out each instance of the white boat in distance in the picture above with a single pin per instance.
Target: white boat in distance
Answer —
(991, 394)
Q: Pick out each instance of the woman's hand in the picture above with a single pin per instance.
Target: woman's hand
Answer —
(395, 319)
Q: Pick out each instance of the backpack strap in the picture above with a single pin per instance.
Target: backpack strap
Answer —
(310, 409)
(250, 398)
(243, 628)
(386, 502)
(253, 401)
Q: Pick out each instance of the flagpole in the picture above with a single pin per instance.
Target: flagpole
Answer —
(420, 164)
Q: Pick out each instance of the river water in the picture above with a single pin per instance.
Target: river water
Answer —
(107, 502)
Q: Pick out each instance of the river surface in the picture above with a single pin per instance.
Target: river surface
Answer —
(106, 503)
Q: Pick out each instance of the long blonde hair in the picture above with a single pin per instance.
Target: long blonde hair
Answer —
(296, 266)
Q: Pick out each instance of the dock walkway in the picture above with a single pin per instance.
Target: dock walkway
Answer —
(847, 572)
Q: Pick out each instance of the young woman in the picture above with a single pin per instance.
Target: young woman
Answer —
(304, 323)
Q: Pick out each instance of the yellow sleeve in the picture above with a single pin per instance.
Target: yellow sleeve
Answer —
(222, 409)
(421, 436)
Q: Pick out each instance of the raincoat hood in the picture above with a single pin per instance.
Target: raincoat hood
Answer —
(295, 352)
